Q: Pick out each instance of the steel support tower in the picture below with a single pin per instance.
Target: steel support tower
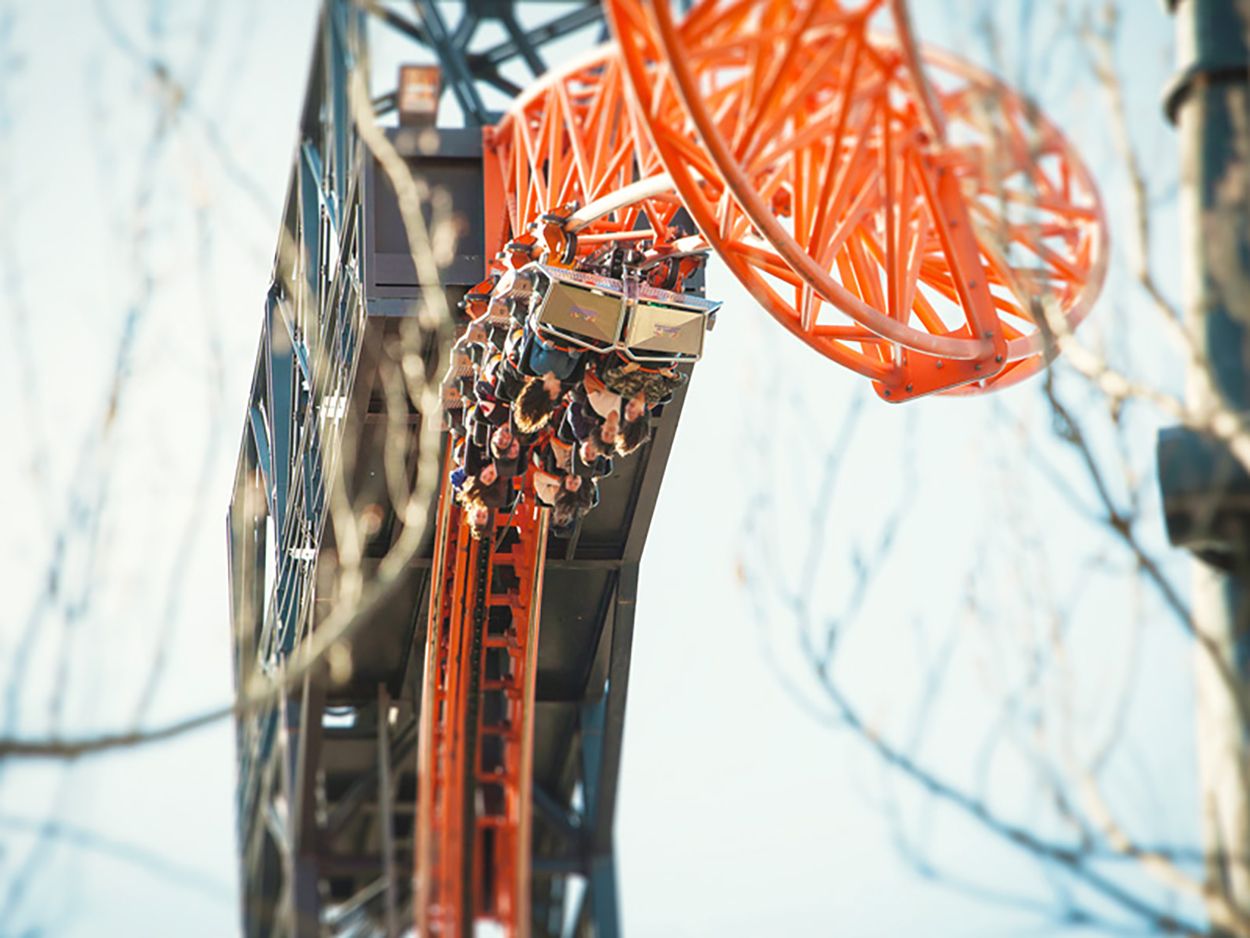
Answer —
(328, 783)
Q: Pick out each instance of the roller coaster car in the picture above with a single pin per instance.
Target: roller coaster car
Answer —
(602, 314)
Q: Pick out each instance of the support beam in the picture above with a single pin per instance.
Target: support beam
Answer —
(613, 726)
(364, 786)
(558, 817)
(558, 28)
(385, 804)
(603, 903)
(306, 874)
(1210, 101)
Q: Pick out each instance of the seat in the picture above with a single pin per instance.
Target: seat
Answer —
(661, 333)
(586, 317)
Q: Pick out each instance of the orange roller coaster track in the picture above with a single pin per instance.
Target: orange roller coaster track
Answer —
(898, 210)
(902, 212)
(920, 251)
(477, 722)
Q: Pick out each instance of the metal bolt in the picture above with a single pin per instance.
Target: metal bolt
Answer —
(888, 392)
(940, 365)
(998, 358)
(972, 284)
(909, 389)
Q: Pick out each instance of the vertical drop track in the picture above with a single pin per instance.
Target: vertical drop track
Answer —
(473, 842)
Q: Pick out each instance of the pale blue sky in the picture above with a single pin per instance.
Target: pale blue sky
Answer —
(739, 813)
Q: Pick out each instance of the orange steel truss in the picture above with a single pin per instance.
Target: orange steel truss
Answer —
(912, 222)
(473, 809)
(903, 213)
(573, 141)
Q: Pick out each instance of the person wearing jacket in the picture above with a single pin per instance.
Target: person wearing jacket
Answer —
(628, 378)
(506, 449)
(547, 485)
(537, 356)
(602, 399)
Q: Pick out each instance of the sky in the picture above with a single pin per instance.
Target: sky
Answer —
(138, 241)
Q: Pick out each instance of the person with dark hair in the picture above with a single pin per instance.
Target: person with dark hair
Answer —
(570, 502)
(536, 402)
(487, 475)
(592, 458)
(506, 449)
(483, 494)
(562, 519)
(636, 428)
(576, 500)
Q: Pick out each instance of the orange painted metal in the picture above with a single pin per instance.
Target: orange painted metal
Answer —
(474, 761)
(906, 215)
(439, 890)
(498, 227)
(901, 212)
(889, 227)
(572, 140)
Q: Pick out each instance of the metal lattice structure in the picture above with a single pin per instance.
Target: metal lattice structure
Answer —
(902, 218)
(471, 73)
(902, 213)
(328, 794)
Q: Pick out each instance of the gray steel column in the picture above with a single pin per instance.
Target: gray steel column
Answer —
(386, 808)
(1205, 490)
(305, 893)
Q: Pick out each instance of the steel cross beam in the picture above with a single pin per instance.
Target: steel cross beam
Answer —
(466, 69)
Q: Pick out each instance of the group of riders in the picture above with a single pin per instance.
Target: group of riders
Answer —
(559, 371)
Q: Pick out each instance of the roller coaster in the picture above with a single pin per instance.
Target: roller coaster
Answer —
(452, 765)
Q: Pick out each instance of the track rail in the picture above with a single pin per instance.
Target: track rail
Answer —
(473, 841)
(897, 209)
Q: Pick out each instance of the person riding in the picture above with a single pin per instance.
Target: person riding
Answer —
(506, 449)
(536, 402)
(598, 395)
(578, 500)
(480, 495)
(635, 426)
(547, 485)
(627, 378)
